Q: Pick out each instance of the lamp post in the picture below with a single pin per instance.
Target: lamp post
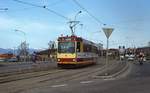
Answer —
(76, 17)
(74, 23)
(23, 44)
(16, 30)
(14, 50)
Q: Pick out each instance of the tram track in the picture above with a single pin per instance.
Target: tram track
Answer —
(52, 77)
(48, 73)
(19, 76)
(34, 78)
(4, 78)
(73, 75)
(15, 77)
(83, 74)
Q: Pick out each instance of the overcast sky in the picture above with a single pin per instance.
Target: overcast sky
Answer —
(129, 18)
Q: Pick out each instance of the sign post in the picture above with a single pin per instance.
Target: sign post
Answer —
(107, 32)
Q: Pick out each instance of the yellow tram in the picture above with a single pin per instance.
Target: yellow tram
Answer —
(76, 51)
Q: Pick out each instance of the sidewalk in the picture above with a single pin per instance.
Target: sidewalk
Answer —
(24, 67)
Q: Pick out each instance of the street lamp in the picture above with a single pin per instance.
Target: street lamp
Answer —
(16, 30)
(76, 17)
(74, 23)
(23, 44)
(77, 14)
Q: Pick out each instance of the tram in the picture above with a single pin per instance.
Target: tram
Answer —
(76, 51)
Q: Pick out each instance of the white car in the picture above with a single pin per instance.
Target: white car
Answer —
(12, 59)
(131, 57)
(2, 60)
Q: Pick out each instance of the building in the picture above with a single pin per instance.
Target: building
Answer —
(47, 55)
(4, 57)
(146, 51)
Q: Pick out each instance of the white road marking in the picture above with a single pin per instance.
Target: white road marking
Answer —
(62, 85)
(109, 79)
(85, 82)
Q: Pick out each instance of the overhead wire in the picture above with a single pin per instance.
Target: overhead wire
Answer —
(19, 1)
(90, 14)
(56, 13)
(3, 9)
(44, 7)
(20, 9)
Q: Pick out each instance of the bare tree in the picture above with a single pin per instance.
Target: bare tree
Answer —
(23, 50)
(51, 44)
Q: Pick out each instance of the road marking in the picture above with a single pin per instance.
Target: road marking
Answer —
(62, 85)
(85, 82)
(109, 79)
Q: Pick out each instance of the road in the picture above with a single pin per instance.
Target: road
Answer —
(17, 83)
(137, 81)
(134, 80)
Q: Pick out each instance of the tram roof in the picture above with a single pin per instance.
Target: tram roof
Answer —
(76, 38)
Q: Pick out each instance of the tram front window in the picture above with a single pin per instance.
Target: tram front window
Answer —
(66, 47)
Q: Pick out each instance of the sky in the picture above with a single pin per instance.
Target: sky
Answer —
(37, 26)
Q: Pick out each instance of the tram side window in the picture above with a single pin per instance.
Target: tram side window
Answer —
(87, 48)
(94, 49)
(78, 46)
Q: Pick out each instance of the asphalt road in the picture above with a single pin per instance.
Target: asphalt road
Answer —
(137, 81)
(18, 83)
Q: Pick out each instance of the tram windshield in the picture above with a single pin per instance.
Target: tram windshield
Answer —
(66, 47)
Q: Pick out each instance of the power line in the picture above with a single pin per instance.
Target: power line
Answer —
(95, 18)
(40, 6)
(20, 9)
(3, 9)
(28, 3)
(56, 13)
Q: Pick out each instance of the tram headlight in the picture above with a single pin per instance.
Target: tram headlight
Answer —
(74, 60)
(58, 60)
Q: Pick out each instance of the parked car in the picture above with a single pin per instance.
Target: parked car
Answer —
(14, 59)
(2, 60)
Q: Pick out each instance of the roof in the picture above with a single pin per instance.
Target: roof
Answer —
(46, 52)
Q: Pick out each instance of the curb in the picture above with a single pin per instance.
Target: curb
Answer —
(113, 75)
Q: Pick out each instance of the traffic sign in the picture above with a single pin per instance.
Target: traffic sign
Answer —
(108, 31)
